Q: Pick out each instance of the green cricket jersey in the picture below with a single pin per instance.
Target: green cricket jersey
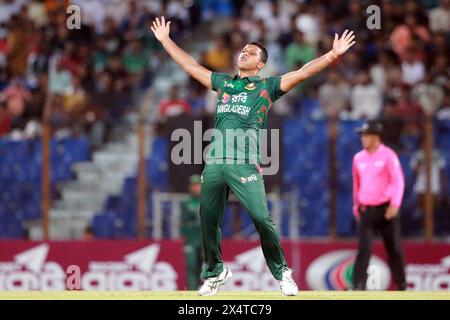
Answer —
(190, 220)
(241, 111)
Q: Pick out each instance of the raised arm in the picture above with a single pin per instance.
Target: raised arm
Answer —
(161, 29)
(340, 46)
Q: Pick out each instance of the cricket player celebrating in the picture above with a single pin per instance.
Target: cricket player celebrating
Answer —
(243, 102)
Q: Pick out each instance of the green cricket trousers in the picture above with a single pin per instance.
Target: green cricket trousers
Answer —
(247, 184)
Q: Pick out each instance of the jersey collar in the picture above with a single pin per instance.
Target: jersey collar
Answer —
(248, 79)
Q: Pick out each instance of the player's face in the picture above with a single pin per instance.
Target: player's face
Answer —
(195, 189)
(249, 58)
(370, 140)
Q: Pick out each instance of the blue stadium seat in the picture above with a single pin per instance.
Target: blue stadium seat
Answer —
(20, 174)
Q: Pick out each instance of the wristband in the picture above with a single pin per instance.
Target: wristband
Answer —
(331, 56)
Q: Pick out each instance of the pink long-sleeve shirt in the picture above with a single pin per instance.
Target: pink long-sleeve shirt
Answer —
(377, 178)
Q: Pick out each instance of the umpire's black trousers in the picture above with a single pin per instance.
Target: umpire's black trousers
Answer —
(371, 220)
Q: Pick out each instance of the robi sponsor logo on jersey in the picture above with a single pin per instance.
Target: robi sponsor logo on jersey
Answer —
(334, 271)
(235, 98)
(225, 98)
(249, 179)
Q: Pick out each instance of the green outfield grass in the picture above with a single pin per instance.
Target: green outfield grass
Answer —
(222, 295)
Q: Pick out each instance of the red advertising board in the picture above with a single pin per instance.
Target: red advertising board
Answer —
(146, 265)
(91, 265)
(327, 265)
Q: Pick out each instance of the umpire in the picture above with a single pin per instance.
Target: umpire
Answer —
(378, 186)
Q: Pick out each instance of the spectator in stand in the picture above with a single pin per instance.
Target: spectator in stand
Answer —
(440, 71)
(93, 12)
(174, 105)
(429, 95)
(444, 112)
(16, 96)
(247, 21)
(219, 56)
(99, 58)
(440, 45)
(308, 22)
(36, 105)
(102, 98)
(135, 61)
(75, 99)
(10, 8)
(3, 46)
(277, 22)
(287, 36)
(60, 79)
(72, 59)
(403, 35)
(5, 120)
(116, 10)
(350, 67)
(112, 36)
(41, 61)
(384, 71)
(365, 98)
(196, 99)
(392, 124)
(60, 120)
(275, 62)
(413, 69)
(410, 112)
(122, 100)
(299, 52)
(38, 35)
(439, 17)
(334, 95)
(18, 48)
(115, 68)
(354, 20)
(56, 5)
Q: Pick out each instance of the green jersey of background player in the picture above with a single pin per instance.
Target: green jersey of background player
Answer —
(243, 102)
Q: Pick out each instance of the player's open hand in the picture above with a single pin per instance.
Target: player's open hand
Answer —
(160, 28)
(391, 213)
(341, 45)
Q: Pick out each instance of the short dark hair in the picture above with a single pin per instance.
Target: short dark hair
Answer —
(264, 55)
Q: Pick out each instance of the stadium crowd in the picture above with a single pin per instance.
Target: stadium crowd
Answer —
(399, 71)
(94, 73)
